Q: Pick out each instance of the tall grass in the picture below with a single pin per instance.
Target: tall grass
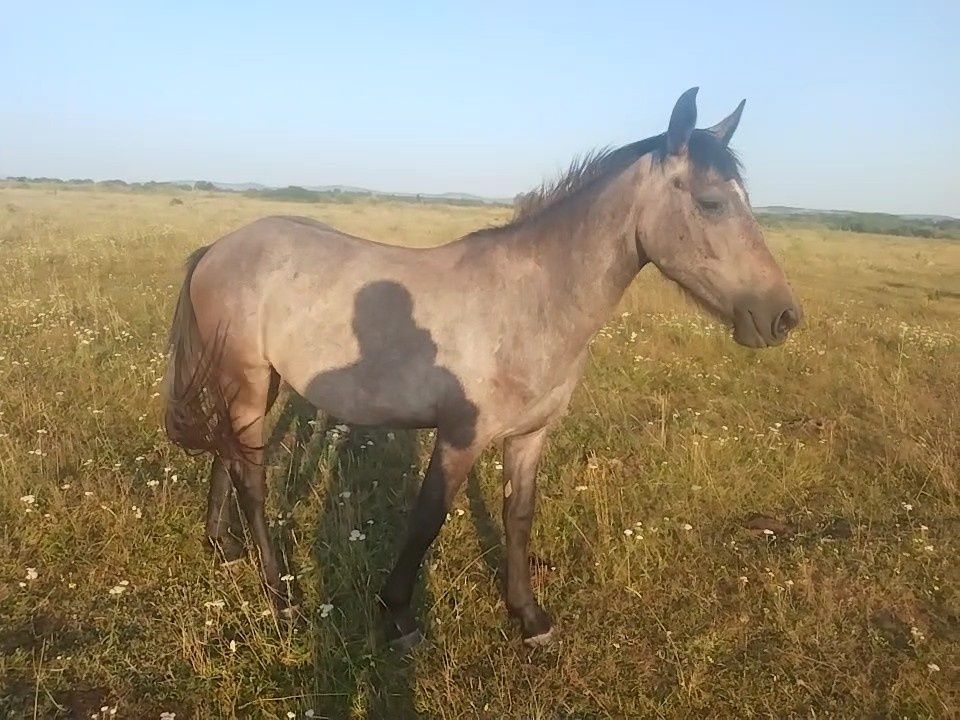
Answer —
(667, 605)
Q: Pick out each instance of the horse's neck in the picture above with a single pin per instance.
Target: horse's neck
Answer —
(588, 248)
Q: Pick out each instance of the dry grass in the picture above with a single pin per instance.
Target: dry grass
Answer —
(849, 435)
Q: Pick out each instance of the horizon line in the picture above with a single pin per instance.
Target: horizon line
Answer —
(224, 186)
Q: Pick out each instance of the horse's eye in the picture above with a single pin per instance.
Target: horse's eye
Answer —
(710, 205)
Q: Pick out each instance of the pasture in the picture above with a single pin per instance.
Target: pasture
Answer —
(672, 597)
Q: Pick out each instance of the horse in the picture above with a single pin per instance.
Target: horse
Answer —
(483, 339)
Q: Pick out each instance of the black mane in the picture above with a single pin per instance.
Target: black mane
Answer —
(705, 150)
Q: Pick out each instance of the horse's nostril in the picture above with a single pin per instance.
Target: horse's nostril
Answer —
(785, 322)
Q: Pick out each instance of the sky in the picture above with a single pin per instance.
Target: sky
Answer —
(849, 105)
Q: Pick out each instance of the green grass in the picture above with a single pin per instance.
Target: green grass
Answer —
(849, 434)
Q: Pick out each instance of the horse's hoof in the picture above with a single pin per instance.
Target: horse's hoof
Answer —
(406, 643)
(541, 640)
(401, 629)
(535, 625)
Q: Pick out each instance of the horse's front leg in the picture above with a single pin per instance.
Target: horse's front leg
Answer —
(446, 473)
(521, 456)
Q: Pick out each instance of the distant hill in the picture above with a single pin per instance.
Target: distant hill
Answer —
(787, 210)
(349, 193)
(931, 218)
(297, 192)
(228, 187)
(456, 196)
(316, 193)
(928, 226)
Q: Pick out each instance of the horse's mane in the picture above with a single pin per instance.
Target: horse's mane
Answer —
(706, 151)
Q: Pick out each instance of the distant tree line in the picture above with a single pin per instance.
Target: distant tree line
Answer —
(292, 193)
(295, 193)
(874, 223)
(123, 184)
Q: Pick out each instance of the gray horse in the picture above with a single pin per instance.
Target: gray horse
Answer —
(484, 338)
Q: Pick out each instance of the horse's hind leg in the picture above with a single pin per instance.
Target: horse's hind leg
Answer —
(224, 527)
(248, 473)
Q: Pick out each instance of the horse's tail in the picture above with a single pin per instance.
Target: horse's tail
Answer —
(197, 416)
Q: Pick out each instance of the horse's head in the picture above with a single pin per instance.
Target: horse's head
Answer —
(700, 231)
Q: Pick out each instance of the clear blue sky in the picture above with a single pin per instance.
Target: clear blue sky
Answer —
(849, 105)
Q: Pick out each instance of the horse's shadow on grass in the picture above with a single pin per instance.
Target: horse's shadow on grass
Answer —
(340, 484)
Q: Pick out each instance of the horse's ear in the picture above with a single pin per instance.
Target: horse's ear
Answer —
(682, 121)
(725, 128)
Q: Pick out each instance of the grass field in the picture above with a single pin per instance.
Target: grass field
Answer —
(667, 604)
